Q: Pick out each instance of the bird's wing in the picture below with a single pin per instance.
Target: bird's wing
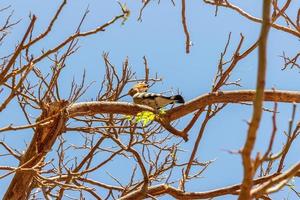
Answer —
(153, 100)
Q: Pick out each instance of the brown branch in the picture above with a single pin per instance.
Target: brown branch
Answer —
(146, 69)
(263, 189)
(185, 29)
(91, 108)
(42, 142)
(236, 96)
(280, 11)
(49, 28)
(249, 169)
(164, 189)
(99, 184)
(167, 125)
(195, 150)
(272, 138)
(298, 18)
(80, 165)
(17, 51)
(40, 123)
(193, 120)
(252, 18)
(142, 9)
(235, 59)
(11, 152)
(291, 136)
(13, 92)
(77, 35)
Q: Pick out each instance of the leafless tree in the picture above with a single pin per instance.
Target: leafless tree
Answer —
(109, 129)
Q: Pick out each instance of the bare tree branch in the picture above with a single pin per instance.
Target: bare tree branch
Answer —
(249, 169)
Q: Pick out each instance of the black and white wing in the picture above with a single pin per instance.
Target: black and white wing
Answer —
(153, 100)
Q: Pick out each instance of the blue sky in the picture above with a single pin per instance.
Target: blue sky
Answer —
(160, 38)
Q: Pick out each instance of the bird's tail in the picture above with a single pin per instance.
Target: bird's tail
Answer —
(177, 98)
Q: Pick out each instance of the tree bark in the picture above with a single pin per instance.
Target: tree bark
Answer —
(44, 137)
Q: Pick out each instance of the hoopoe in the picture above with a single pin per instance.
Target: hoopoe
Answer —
(140, 95)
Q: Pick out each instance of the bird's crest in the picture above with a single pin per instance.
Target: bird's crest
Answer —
(139, 87)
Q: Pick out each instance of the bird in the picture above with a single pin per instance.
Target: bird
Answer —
(140, 95)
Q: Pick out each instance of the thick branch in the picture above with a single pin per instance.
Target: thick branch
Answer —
(97, 107)
(42, 142)
(90, 108)
(249, 169)
(236, 96)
